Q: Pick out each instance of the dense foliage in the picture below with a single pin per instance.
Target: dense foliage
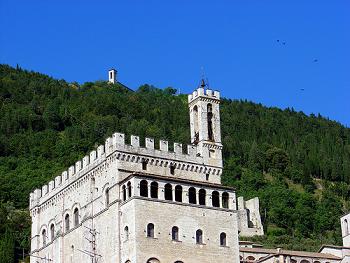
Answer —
(298, 165)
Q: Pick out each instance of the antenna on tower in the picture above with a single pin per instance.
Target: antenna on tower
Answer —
(204, 79)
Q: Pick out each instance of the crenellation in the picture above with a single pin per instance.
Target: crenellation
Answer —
(217, 94)
(177, 148)
(109, 145)
(209, 92)
(86, 161)
(58, 180)
(44, 189)
(93, 156)
(150, 143)
(71, 171)
(200, 91)
(78, 166)
(135, 141)
(64, 176)
(118, 139)
(100, 151)
(51, 185)
(191, 150)
(164, 145)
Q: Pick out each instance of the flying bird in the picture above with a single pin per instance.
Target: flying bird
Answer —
(315, 60)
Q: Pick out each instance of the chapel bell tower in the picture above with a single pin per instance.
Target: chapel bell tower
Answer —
(205, 124)
(112, 76)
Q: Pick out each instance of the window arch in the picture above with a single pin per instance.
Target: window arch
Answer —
(215, 199)
(199, 236)
(153, 260)
(225, 199)
(43, 235)
(210, 122)
(251, 258)
(178, 261)
(129, 189)
(175, 233)
(223, 239)
(150, 230)
(154, 190)
(76, 217)
(66, 222)
(124, 192)
(144, 188)
(178, 193)
(52, 231)
(126, 233)
(304, 261)
(195, 124)
(202, 195)
(192, 195)
(107, 196)
(168, 192)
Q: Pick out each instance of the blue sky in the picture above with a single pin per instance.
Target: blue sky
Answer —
(166, 43)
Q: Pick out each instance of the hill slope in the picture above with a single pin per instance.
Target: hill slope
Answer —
(298, 165)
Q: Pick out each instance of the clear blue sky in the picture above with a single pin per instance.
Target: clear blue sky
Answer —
(165, 43)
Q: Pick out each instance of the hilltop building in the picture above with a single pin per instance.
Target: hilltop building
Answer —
(132, 204)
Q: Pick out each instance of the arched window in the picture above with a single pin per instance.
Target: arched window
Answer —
(175, 233)
(199, 236)
(150, 230)
(178, 193)
(107, 196)
(316, 261)
(124, 192)
(172, 169)
(178, 261)
(215, 199)
(168, 192)
(126, 233)
(250, 258)
(202, 195)
(346, 227)
(52, 231)
(210, 122)
(192, 195)
(153, 260)
(195, 125)
(76, 217)
(304, 261)
(223, 239)
(144, 188)
(43, 234)
(129, 189)
(225, 200)
(66, 222)
(154, 190)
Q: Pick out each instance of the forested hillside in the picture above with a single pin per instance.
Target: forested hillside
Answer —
(298, 165)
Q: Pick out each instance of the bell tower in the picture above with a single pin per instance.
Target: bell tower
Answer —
(205, 124)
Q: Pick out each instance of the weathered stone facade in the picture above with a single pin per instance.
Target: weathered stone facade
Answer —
(126, 203)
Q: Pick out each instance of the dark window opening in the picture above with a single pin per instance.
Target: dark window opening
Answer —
(76, 217)
(199, 236)
(210, 122)
(154, 190)
(150, 230)
(66, 222)
(192, 195)
(52, 230)
(225, 200)
(107, 196)
(178, 193)
(207, 177)
(144, 188)
(144, 164)
(215, 199)
(172, 169)
(223, 239)
(129, 189)
(168, 192)
(44, 237)
(202, 196)
(124, 192)
(175, 233)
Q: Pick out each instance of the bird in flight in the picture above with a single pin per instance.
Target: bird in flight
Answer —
(315, 60)
(302, 89)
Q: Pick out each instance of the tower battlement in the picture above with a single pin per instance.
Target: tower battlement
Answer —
(203, 93)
